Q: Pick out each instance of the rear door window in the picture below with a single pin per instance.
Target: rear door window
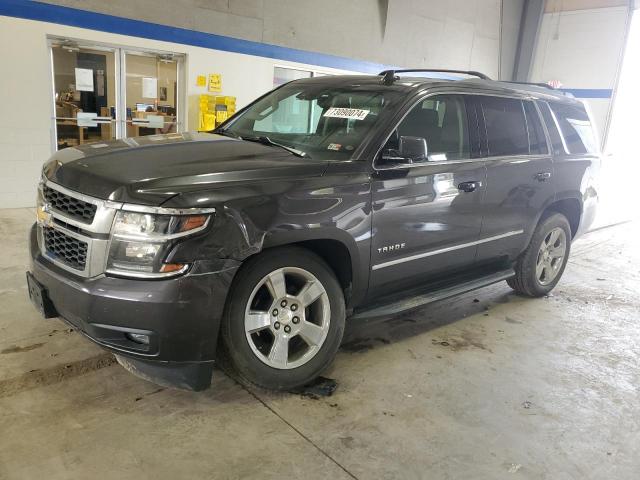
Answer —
(552, 128)
(575, 127)
(506, 126)
(537, 140)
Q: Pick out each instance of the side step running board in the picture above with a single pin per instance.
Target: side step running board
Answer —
(416, 301)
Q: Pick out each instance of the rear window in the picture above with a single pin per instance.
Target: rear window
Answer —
(506, 126)
(575, 127)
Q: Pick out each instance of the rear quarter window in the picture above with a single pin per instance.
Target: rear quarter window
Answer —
(576, 128)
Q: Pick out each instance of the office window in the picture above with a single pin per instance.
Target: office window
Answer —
(151, 93)
(575, 127)
(537, 140)
(283, 75)
(506, 126)
(554, 134)
(442, 122)
(84, 84)
(303, 115)
(87, 78)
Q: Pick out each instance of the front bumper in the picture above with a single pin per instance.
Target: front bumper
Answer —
(181, 316)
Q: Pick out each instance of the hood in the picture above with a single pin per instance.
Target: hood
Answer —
(150, 170)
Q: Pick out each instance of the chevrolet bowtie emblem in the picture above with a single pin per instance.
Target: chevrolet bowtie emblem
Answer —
(43, 217)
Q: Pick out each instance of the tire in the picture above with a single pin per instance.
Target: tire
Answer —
(530, 279)
(256, 325)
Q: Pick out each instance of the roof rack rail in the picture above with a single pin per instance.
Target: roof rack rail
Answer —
(535, 84)
(389, 76)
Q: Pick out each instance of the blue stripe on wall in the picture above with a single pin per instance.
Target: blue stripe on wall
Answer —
(136, 28)
(589, 92)
(44, 12)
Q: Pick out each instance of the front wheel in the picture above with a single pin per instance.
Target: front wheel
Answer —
(541, 265)
(284, 321)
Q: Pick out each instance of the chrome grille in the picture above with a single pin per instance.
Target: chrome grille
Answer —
(73, 207)
(76, 237)
(66, 249)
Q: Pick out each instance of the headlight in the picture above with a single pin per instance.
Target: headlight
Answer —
(141, 241)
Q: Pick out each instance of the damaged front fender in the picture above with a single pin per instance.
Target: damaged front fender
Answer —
(257, 215)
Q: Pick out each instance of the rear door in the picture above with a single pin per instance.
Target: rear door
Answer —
(427, 214)
(520, 181)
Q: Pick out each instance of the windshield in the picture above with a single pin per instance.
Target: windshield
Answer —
(322, 121)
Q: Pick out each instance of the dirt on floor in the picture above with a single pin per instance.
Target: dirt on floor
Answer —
(487, 385)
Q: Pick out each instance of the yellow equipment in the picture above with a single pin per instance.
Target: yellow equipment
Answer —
(213, 110)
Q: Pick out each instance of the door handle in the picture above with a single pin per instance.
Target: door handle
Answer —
(469, 187)
(543, 176)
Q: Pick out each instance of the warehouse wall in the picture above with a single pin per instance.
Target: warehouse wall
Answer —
(511, 18)
(26, 133)
(419, 33)
(582, 48)
(462, 34)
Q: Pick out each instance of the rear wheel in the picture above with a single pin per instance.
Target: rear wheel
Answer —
(540, 267)
(285, 319)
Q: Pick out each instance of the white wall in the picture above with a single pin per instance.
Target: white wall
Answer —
(26, 92)
(511, 18)
(582, 49)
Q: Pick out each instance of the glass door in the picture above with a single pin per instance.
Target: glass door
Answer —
(102, 92)
(84, 89)
(151, 94)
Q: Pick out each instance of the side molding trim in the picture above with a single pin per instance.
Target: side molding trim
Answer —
(445, 250)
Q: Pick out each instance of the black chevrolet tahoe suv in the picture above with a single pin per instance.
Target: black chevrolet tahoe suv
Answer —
(325, 200)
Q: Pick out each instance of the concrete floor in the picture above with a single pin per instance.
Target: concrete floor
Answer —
(485, 386)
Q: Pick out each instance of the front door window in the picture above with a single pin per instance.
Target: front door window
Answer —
(442, 122)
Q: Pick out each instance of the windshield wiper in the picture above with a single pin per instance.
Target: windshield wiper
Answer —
(267, 141)
(226, 133)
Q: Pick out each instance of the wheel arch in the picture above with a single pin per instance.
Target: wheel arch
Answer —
(570, 207)
(340, 254)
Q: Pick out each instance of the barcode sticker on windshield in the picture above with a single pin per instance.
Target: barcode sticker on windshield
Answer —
(354, 113)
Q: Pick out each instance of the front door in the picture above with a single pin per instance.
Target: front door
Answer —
(427, 211)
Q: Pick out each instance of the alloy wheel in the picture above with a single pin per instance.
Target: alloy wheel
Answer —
(551, 256)
(287, 318)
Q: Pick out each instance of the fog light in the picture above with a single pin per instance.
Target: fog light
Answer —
(138, 338)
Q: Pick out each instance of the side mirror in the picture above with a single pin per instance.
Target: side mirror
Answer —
(413, 149)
